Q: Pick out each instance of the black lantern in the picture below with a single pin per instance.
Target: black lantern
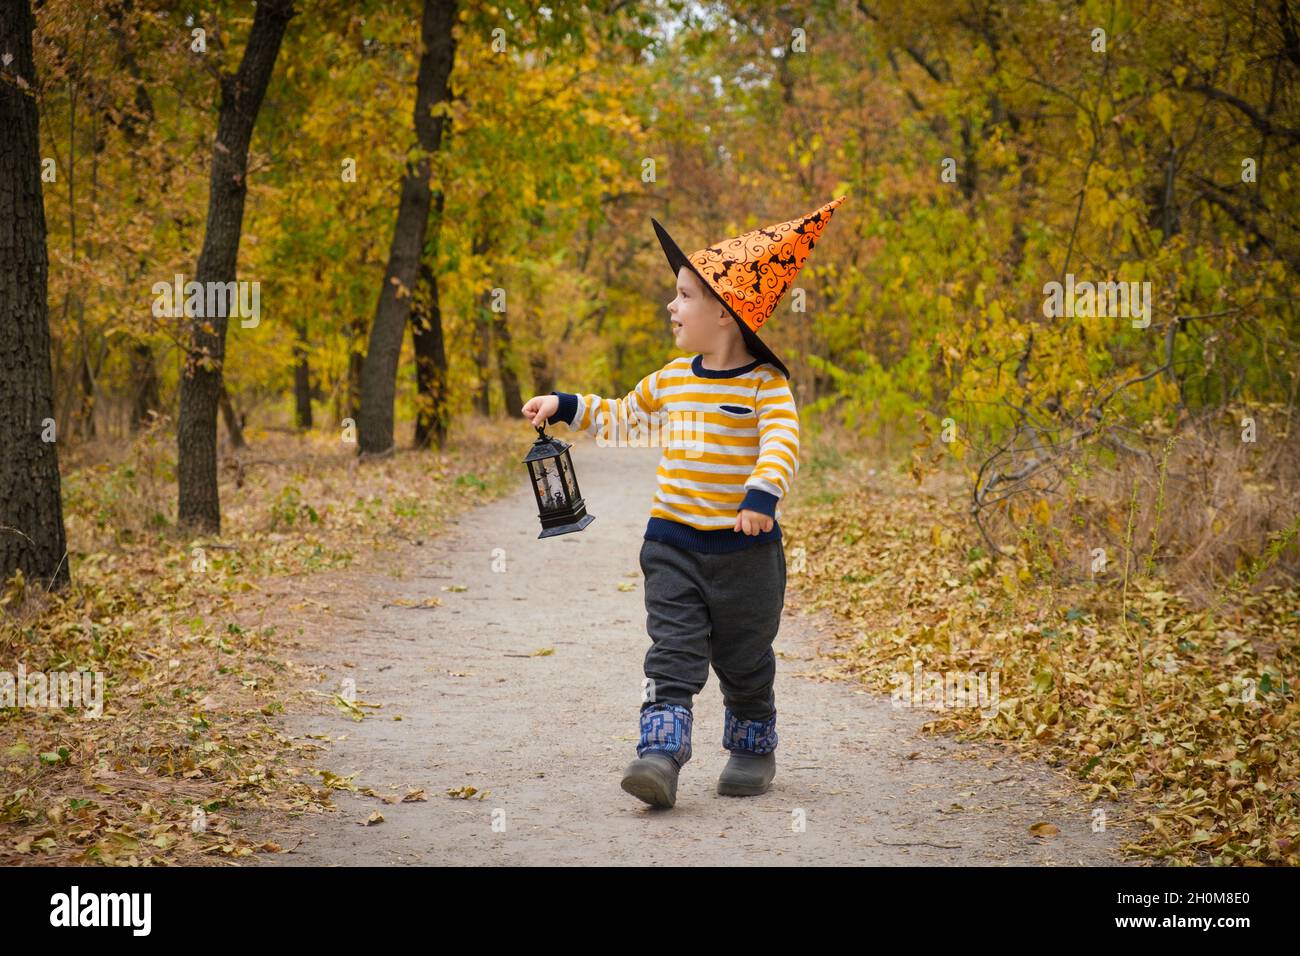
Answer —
(559, 503)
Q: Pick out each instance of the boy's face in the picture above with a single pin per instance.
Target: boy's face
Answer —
(699, 319)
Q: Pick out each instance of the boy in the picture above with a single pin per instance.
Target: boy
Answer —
(712, 557)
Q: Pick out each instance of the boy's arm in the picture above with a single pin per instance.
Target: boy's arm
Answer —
(778, 448)
(593, 414)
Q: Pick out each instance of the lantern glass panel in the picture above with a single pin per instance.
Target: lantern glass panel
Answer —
(566, 468)
(550, 486)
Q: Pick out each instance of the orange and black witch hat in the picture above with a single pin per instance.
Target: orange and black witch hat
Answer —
(751, 273)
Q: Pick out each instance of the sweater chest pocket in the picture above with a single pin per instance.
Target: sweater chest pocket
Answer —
(738, 411)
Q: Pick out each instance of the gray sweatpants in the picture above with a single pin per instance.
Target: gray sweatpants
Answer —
(723, 609)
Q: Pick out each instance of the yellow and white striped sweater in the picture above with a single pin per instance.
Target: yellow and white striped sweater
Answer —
(730, 440)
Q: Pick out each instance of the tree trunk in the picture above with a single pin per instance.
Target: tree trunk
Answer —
(356, 358)
(145, 375)
(483, 333)
(86, 412)
(135, 122)
(505, 364)
(234, 421)
(31, 511)
(432, 420)
(302, 381)
(201, 387)
(379, 371)
(543, 375)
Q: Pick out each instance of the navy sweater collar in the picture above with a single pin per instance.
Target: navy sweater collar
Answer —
(697, 366)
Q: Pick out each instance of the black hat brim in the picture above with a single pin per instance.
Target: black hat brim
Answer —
(677, 259)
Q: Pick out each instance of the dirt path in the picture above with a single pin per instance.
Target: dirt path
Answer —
(548, 736)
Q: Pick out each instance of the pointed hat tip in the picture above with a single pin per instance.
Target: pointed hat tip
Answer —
(829, 208)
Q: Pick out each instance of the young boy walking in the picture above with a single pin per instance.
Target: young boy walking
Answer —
(712, 558)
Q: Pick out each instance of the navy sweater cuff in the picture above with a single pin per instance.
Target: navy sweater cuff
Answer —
(756, 499)
(568, 408)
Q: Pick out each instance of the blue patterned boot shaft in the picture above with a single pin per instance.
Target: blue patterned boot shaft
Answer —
(666, 728)
(749, 736)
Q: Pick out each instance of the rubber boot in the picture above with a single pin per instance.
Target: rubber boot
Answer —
(752, 764)
(664, 748)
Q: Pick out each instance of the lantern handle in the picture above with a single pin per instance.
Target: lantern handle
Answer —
(541, 432)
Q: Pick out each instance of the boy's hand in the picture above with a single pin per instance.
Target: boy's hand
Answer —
(752, 522)
(541, 407)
